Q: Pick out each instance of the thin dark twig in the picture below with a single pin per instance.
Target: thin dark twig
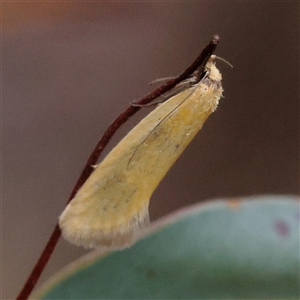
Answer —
(200, 62)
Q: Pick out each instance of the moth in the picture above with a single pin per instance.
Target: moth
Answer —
(112, 205)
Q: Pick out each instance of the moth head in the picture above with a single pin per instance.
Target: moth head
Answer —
(212, 71)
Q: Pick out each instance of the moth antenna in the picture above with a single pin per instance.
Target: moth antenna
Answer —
(222, 59)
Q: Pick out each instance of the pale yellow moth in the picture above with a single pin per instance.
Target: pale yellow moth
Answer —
(112, 205)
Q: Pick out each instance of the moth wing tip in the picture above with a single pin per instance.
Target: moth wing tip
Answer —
(109, 238)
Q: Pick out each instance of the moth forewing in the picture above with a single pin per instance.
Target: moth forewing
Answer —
(112, 205)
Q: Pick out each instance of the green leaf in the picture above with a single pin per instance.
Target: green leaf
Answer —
(230, 249)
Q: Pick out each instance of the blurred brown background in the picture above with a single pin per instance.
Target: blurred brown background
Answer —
(68, 69)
